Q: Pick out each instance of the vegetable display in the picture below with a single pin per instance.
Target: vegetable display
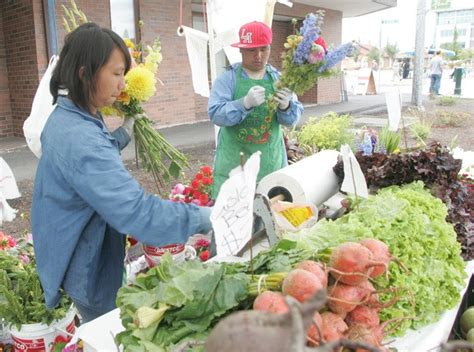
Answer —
(438, 169)
(180, 301)
(411, 222)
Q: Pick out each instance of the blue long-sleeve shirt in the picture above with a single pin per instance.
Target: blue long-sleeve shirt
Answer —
(84, 200)
(225, 111)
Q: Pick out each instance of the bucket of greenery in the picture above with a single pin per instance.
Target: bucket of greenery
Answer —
(32, 326)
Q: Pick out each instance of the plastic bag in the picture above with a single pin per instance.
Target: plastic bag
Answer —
(8, 190)
(294, 216)
(41, 108)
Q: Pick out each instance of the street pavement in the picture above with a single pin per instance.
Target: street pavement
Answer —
(23, 162)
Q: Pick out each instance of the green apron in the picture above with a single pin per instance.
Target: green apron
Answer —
(258, 131)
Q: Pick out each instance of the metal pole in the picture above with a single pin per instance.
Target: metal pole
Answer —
(380, 55)
(417, 86)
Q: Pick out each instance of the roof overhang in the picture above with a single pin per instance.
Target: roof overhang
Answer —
(351, 8)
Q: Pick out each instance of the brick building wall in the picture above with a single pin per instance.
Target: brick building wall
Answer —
(5, 107)
(23, 36)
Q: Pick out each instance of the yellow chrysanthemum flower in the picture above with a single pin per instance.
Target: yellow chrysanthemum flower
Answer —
(110, 111)
(129, 43)
(140, 83)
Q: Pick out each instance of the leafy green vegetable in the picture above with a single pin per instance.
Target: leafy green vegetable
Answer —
(196, 293)
(412, 223)
(21, 296)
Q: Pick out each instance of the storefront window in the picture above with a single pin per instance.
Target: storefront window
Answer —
(122, 14)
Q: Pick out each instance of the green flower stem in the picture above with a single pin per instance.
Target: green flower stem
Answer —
(152, 147)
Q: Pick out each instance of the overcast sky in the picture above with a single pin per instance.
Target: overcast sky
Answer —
(367, 29)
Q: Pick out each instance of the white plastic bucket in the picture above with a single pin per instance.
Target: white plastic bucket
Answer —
(180, 252)
(41, 337)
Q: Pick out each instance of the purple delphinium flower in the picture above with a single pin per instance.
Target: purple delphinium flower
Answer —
(335, 56)
(309, 32)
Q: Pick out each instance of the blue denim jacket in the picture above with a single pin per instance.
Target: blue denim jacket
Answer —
(84, 200)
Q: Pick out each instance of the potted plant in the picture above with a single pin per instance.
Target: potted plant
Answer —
(22, 305)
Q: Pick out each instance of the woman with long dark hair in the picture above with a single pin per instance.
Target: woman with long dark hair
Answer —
(84, 198)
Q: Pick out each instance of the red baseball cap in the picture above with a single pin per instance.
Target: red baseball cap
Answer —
(253, 35)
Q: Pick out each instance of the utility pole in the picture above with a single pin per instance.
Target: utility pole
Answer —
(416, 97)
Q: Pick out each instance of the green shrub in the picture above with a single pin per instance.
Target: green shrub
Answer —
(329, 132)
(446, 101)
(451, 118)
(421, 130)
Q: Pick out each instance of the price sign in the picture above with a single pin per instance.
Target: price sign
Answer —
(232, 214)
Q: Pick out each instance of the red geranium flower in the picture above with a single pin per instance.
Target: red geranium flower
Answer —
(206, 170)
(204, 199)
(204, 255)
(206, 181)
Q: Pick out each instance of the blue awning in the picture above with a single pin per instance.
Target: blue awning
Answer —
(432, 51)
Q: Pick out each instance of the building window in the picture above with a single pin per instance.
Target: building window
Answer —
(447, 17)
(464, 16)
(123, 18)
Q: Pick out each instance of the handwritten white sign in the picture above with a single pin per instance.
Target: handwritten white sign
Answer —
(394, 109)
(232, 214)
(354, 180)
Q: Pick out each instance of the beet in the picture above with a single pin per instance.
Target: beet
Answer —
(352, 263)
(269, 301)
(380, 253)
(313, 335)
(344, 298)
(316, 268)
(301, 284)
(363, 315)
(334, 326)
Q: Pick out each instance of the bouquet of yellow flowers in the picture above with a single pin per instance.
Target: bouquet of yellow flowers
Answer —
(140, 86)
(307, 59)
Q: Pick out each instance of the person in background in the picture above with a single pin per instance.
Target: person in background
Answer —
(405, 68)
(237, 105)
(436, 71)
(84, 198)
(396, 71)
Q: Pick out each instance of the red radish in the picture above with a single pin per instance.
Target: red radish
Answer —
(334, 326)
(351, 263)
(301, 284)
(344, 298)
(269, 301)
(363, 315)
(380, 253)
(315, 268)
(313, 335)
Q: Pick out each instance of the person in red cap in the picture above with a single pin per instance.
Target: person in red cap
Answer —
(237, 105)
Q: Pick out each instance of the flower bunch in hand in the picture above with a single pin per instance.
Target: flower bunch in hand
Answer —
(306, 58)
(197, 191)
(140, 86)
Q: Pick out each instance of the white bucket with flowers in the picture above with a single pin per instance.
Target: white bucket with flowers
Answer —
(32, 325)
